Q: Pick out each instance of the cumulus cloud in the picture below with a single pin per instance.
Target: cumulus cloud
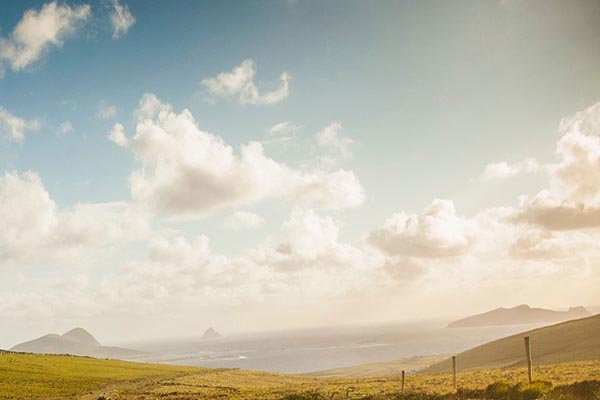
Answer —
(117, 135)
(504, 170)
(536, 244)
(239, 84)
(187, 172)
(573, 199)
(438, 232)
(15, 127)
(121, 19)
(243, 220)
(34, 227)
(38, 31)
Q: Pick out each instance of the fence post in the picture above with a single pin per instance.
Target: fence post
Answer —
(528, 354)
(403, 373)
(454, 371)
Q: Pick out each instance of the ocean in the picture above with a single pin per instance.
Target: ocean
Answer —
(309, 350)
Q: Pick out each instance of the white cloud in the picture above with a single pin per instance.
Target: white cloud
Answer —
(284, 128)
(337, 146)
(573, 199)
(121, 19)
(38, 31)
(239, 84)
(35, 228)
(536, 244)
(188, 172)
(106, 110)
(243, 220)
(117, 135)
(439, 232)
(281, 134)
(65, 128)
(15, 127)
(504, 170)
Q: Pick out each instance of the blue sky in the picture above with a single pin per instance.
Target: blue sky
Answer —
(427, 95)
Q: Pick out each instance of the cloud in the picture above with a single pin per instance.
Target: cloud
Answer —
(438, 232)
(38, 31)
(284, 128)
(65, 128)
(281, 134)
(572, 200)
(239, 84)
(306, 260)
(121, 19)
(15, 127)
(536, 244)
(504, 170)
(243, 220)
(188, 172)
(106, 110)
(117, 135)
(337, 146)
(34, 228)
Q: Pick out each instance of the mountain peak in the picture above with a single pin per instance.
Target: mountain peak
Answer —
(210, 333)
(80, 335)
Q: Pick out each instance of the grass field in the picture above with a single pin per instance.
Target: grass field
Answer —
(27, 376)
(385, 368)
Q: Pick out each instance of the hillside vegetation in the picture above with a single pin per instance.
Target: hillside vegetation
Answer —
(385, 368)
(577, 340)
(29, 376)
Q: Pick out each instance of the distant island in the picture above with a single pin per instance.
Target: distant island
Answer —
(211, 334)
(522, 314)
(77, 342)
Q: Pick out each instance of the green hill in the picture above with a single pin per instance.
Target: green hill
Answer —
(576, 340)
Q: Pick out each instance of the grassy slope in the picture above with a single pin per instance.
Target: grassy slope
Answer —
(28, 376)
(386, 368)
(576, 340)
(34, 376)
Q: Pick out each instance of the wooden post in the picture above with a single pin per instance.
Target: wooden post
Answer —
(528, 354)
(403, 373)
(454, 371)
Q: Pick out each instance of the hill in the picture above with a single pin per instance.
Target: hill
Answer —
(522, 314)
(60, 377)
(77, 342)
(386, 368)
(576, 340)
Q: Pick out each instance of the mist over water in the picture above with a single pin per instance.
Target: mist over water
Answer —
(308, 350)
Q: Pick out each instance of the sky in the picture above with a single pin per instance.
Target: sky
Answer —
(259, 165)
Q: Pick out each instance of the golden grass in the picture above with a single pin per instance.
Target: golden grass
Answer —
(28, 376)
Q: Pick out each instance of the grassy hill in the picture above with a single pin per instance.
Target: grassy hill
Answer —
(57, 377)
(576, 340)
(385, 368)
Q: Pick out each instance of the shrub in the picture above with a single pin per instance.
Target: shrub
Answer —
(499, 390)
(307, 395)
(585, 390)
(531, 391)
